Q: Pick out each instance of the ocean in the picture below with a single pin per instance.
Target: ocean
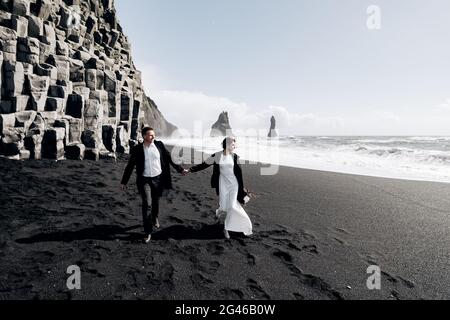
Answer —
(411, 158)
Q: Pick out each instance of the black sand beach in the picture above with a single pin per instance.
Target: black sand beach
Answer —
(315, 234)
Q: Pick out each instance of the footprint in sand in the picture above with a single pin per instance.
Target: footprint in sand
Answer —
(298, 296)
(308, 280)
(286, 257)
(214, 266)
(340, 241)
(242, 242)
(311, 249)
(257, 290)
(205, 214)
(407, 283)
(200, 281)
(342, 231)
(251, 259)
(43, 257)
(148, 260)
(293, 246)
(173, 219)
(233, 294)
(120, 204)
(396, 281)
(165, 277)
(95, 272)
(215, 249)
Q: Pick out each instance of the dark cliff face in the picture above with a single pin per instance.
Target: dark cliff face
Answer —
(154, 118)
(69, 87)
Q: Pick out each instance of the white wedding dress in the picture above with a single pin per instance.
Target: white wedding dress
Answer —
(237, 219)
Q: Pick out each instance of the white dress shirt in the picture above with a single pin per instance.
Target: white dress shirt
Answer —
(152, 167)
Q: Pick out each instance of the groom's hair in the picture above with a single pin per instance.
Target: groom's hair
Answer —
(227, 141)
(146, 129)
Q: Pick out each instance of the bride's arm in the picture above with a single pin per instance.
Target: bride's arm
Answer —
(206, 164)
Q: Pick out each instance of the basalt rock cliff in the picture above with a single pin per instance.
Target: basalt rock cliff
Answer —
(69, 87)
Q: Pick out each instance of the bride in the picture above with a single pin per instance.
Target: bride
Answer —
(229, 185)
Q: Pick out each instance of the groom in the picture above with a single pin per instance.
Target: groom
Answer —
(152, 161)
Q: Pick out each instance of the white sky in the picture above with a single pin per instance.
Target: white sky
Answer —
(313, 64)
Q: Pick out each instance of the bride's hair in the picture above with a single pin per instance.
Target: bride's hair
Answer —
(227, 141)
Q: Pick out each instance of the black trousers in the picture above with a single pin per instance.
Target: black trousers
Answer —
(150, 187)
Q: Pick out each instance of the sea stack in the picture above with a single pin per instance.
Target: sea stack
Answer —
(273, 129)
(69, 87)
(222, 127)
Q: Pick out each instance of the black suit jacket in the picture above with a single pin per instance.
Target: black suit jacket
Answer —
(137, 159)
(214, 161)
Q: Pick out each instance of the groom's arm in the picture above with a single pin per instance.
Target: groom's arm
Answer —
(130, 167)
(167, 155)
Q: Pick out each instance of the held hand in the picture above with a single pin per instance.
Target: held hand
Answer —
(123, 187)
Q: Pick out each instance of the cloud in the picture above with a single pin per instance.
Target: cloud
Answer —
(386, 116)
(153, 77)
(304, 122)
(185, 108)
(445, 105)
